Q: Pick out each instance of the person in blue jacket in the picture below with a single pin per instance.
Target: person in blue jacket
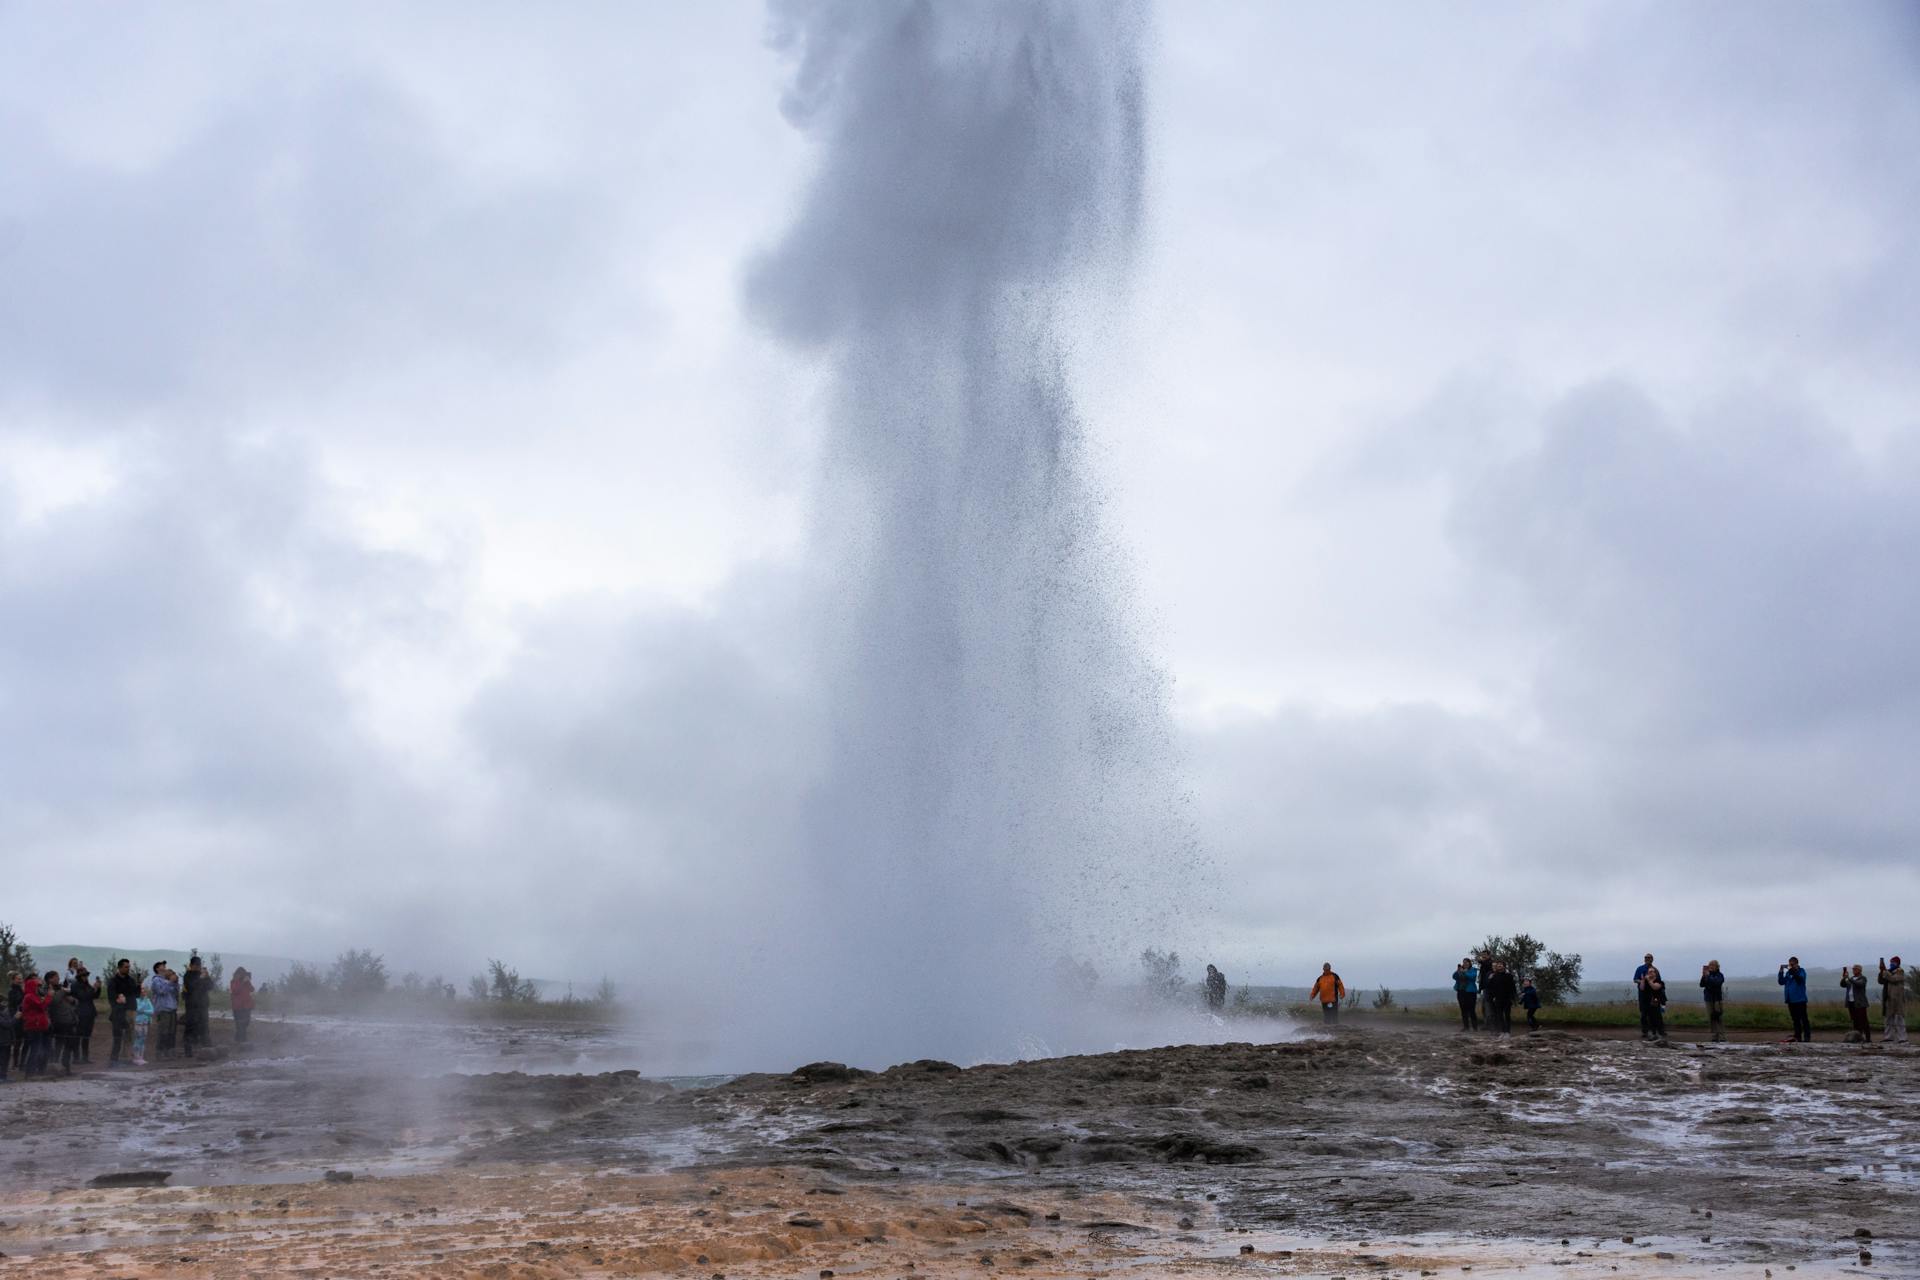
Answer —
(1466, 989)
(1530, 1001)
(1794, 979)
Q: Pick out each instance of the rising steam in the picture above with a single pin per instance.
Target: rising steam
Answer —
(997, 788)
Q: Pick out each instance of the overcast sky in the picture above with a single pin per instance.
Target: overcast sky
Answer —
(1513, 423)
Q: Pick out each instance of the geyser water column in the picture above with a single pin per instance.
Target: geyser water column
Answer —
(999, 790)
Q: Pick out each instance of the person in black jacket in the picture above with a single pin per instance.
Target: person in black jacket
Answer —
(1713, 987)
(195, 993)
(123, 997)
(1655, 987)
(86, 991)
(1501, 990)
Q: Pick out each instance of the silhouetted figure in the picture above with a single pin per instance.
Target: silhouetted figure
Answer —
(1793, 981)
(1216, 989)
(1329, 991)
(1501, 991)
(240, 998)
(1530, 1001)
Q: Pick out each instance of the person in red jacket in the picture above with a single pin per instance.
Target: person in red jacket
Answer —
(35, 1022)
(240, 992)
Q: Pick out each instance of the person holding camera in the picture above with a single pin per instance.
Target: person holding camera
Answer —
(1640, 993)
(1655, 987)
(1853, 989)
(1893, 1002)
(1713, 988)
(123, 992)
(1466, 989)
(1793, 981)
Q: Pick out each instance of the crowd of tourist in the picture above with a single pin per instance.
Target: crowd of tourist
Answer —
(1487, 992)
(50, 1017)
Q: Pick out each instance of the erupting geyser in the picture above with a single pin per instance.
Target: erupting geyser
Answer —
(999, 789)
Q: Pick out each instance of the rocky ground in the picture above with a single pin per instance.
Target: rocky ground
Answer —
(1365, 1152)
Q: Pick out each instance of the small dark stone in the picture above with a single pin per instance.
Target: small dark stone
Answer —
(1246, 1248)
(803, 1222)
(700, 1261)
(338, 1175)
(1186, 1224)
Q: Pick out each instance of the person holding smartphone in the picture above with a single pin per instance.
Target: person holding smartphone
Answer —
(1853, 986)
(1793, 982)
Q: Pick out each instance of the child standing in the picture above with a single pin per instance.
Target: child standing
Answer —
(142, 1019)
(1530, 1001)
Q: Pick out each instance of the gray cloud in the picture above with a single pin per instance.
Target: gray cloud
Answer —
(1609, 662)
(321, 232)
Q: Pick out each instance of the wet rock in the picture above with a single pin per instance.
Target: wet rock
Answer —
(337, 1175)
(803, 1221)
(827, 1073)
(132, 1178)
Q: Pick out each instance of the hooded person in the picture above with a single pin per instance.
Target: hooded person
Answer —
(240, 1000)
(86, 994)
(1328, 991)
(1216, 989)
(63, 1015)
(1893, 1002)
(34, 1019)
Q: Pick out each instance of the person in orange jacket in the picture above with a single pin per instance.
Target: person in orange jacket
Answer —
(1329, 991)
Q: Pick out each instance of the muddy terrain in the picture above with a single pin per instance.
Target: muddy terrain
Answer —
(1368, 1151)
